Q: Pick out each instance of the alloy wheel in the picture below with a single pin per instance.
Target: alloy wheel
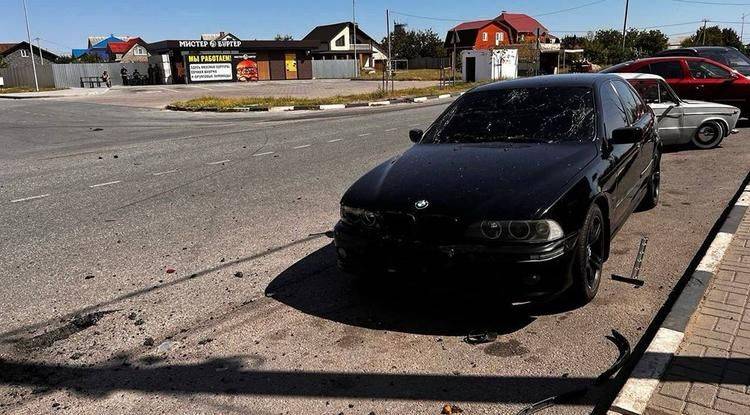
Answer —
(594, 252)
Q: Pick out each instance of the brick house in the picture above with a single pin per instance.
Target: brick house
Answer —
(505, 29)
(16, 55)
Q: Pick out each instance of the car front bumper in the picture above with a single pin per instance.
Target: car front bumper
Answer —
(524, 272)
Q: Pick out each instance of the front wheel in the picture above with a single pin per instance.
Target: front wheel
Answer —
(589, 257)
(709, 135)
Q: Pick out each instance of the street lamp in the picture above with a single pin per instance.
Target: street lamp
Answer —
(31, 47)
(354, 21)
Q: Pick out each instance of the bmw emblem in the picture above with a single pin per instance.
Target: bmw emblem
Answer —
(422, 204)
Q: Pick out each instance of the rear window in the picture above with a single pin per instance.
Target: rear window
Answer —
(550, 114)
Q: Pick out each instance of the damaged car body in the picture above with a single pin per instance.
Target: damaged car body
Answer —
(520, 183)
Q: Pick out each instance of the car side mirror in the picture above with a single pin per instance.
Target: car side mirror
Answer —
(415, 135)
(626, 135)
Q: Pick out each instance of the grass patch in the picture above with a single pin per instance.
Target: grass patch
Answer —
(410, 75)
(19, 89)
(210, 102)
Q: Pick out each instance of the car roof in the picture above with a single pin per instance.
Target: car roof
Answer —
(549, 81)
(629, 75)
(669, 58)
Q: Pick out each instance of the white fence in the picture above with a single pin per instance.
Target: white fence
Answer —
(333, 69)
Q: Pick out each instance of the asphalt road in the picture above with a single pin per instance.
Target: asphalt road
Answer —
(101, 203)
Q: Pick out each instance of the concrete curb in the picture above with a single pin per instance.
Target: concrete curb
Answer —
(634, 396)
(410, 100)
(52, 95)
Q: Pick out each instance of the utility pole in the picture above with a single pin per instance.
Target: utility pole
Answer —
(742, 31)
(625, 23)
(704, 31)
(354, 41)
(31, 48)
(388, 71)
(39, 46)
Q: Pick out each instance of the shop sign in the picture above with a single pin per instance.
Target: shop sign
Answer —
(208, 68)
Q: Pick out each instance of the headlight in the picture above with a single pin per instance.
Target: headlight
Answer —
(520, 230)
(353, 216)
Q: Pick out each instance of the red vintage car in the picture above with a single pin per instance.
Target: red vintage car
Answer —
(695, 78)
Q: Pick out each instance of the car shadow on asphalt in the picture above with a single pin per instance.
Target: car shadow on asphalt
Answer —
(456, 306)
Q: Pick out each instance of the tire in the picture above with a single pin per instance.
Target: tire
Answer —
(588, 258)
(709, 135)
(651, 200)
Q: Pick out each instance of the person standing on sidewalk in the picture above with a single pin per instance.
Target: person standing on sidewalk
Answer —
(124, 74)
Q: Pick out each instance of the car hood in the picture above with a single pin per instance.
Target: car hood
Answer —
(490, 181)
(690, 104)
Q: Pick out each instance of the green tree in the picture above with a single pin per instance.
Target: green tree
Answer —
(710, 36)
(409, 44)
(279, 36)
(3, 64)
(88, 58)
(648, 42)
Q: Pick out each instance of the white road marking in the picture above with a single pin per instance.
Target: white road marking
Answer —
(302, 146)
(364, 135)
(715, 253)
(644, 379)
(28, 198)
(161, 173)
(218, 162)
(263, 154)
(336, 140)
(105, 184)
(391, 129)
(744, 199)
(415, 125)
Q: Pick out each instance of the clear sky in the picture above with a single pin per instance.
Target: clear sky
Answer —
(67, 23)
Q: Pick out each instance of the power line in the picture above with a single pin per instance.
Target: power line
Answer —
(445, 19)
(570, 9)
(712, 3)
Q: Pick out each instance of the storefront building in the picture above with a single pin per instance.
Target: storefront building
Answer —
(232, 60)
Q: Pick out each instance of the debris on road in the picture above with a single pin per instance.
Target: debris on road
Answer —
(623, 346)
(481, 338)
(148, 342)
(76, 324)
(635, 273)
(88, 277)
(450, 409)
(239, 274)
(327, 234)
(139, 322)
(171, 270)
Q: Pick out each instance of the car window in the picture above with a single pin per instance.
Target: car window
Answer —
(666, 69)
(632, 103)
(667, 94)
(706, 70)
(715, 55)
(735, 58)
(648, 89)
(548, 114)
(612, 110)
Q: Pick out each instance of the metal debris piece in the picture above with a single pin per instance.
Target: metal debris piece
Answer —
(327, 234)
(633, 279)
(481, 338)
(623, 346)
(450, 409)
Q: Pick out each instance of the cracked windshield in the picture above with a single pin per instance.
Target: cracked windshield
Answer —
(350, 207)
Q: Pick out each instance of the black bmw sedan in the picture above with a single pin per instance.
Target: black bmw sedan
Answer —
(520, 182)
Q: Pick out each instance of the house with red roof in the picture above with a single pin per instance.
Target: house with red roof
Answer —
(505, 29)
(131, 51)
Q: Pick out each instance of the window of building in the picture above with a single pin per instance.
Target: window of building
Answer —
(24, 53)
(484, 36)
(498, 38)
(139, 51)
(502, 36)
(340, 41)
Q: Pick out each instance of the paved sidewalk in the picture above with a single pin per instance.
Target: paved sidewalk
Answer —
(60, 93)
(711, 372)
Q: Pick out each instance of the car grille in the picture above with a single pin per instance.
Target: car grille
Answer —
(424, 228)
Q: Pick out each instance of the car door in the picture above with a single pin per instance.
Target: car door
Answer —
(712, 83)
(673, 71)
(666, 107)
(619, 177)
(639, 116)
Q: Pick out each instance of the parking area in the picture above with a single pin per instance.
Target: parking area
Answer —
(159, 96)
(180, 268)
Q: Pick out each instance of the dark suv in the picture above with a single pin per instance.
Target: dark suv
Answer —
(729, 56)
